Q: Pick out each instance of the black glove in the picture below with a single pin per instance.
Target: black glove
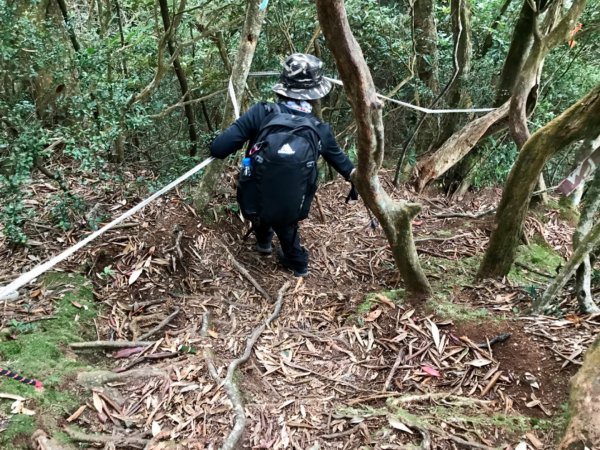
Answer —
(352, 195)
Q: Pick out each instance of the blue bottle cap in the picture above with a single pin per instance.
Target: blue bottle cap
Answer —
(246, 162)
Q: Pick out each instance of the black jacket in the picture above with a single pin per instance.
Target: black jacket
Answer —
(246, 128)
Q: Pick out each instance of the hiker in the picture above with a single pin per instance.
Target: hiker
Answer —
(279, 175)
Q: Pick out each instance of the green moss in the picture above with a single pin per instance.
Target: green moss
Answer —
(459, 312)
(539, 256)
(41, 354)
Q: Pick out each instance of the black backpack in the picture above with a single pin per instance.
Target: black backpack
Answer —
(278, 186)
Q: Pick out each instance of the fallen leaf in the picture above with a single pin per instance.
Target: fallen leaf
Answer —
(407, 315)
(435, 333)
(479, 362)
(97, 401)
(213, 334)
(127, 352)
(430, 371)
(155, 428)
(386, 300)
(76, 414)
(373, 315)
(395, 423)
(534, 440)
(135, 275)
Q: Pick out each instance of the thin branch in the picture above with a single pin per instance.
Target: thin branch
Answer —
(241, 269)
(110, 344)
(161, 325)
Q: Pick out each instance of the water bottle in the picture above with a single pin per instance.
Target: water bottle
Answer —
(246, 170)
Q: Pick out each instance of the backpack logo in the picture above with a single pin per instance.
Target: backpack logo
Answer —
(286, 150)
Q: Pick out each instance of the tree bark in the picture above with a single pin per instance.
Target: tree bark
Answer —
(426, 43)
(395, 217)
(239, 74)
(188, 109)
(456, 147)
(583, 430)
(426, 52)
(529, 73)
(457, 96)
(517, 52)
(580, 121)
(583, 277)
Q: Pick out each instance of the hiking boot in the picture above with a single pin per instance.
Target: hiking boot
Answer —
(264, 249)
(293, 266)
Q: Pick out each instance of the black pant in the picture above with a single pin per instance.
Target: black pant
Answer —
(289, 239)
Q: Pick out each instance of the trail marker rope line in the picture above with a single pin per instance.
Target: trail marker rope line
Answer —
(393, 100)
(9, 292)
(15, 376)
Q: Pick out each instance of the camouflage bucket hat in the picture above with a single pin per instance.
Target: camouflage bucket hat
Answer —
(302, 78)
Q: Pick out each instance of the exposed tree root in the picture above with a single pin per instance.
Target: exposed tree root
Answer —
(116, 440)
(231, 387)
(110, 344)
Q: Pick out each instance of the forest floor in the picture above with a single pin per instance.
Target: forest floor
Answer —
(350, 362)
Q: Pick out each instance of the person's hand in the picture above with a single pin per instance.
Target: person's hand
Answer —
(352, 175)
(352, 195)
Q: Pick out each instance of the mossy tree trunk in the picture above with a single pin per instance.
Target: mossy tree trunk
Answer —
(427, 67)
(580, 121)
(395, 217)
(583, 430)
(520, 44)
(239, 74)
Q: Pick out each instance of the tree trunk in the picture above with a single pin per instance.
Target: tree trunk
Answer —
(426, 52)
(395, 217)
(580, 121)
(583, 278)
(457, 95)
(529, 73)
(517, 52)
(239, 74)
(70, 31)
(584, 248)
(188, 109)
(426, 44)
(583, 430)
(456, 147)
(489, 37)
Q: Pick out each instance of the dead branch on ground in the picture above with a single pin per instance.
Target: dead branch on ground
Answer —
(161, 325)
(116, 440)
(110, 344)
(241, 269)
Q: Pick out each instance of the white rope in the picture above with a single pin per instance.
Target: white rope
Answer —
(236, 107)
(8, 292)
(393, 100)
